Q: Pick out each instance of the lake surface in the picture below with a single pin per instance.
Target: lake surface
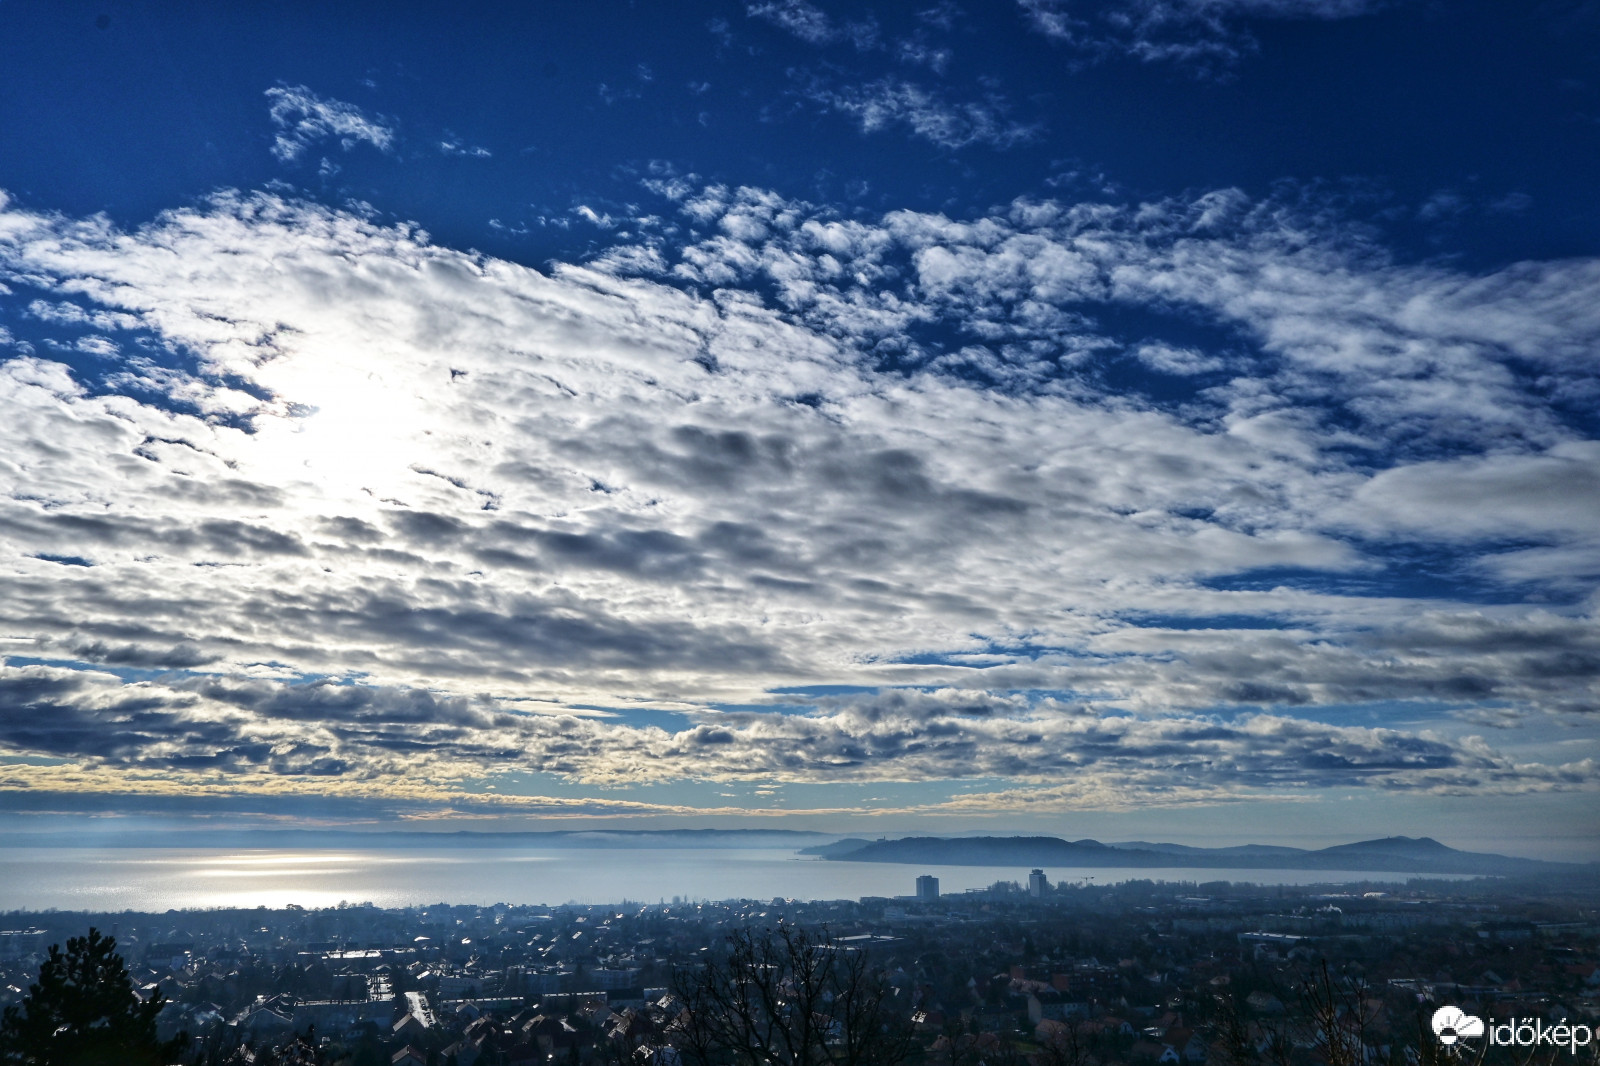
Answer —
(157, 879)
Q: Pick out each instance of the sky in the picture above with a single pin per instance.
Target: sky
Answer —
(1137, 419)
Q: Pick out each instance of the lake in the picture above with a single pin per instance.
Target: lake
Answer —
(157, 879)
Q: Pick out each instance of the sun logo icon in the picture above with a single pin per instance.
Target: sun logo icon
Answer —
(1451, 1024)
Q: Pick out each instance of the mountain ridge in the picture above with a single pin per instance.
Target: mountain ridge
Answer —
(1421, 855)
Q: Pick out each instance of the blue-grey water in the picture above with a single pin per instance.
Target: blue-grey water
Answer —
(156, 879)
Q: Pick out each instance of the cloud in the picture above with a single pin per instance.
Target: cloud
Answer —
(919, 52)
(258, 734)
(926, 113)
(453, 145)
(1548, 493)
(1420, 359)
(1178, 361)
(812, 25)
(303, 118)
(806, 21)
(362, 501)
(1184, 31)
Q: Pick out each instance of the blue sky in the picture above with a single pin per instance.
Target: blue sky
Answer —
(1139, 418)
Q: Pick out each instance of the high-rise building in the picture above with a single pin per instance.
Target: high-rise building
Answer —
(927, 887)
(1037, 885)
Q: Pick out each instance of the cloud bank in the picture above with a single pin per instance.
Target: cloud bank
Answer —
(1120, 504)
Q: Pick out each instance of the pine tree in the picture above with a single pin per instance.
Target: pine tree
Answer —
(83, 1012)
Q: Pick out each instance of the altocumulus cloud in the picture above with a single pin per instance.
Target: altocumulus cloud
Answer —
(303, 118)
(260, 733)
(1196, 32)
(683, 477)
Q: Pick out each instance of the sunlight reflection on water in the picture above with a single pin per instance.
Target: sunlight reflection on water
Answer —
(156, 879)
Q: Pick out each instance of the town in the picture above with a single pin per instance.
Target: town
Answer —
(1036, 972)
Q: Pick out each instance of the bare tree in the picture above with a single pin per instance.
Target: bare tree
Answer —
(788, 998)
(1066, 1045)
(1232, 1046)
(1339, 1019)
(956, 1046)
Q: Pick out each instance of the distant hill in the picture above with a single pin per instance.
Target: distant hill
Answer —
(1409, 846)
(1389, 855)
(1185, 849)
(837, 849)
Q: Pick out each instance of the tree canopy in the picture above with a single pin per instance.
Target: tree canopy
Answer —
(83, 1011)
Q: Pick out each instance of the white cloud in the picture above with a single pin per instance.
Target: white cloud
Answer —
(1182, 361)
(921, 53)
(303, 118)
(453, 145)
(261, 733)
(926, 113)
(475, 487)
(806, 21)
(1418, 357)
(1551, 493)
(1174, 30)
(812, 25)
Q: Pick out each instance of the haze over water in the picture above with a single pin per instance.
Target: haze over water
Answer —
(157, 879)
